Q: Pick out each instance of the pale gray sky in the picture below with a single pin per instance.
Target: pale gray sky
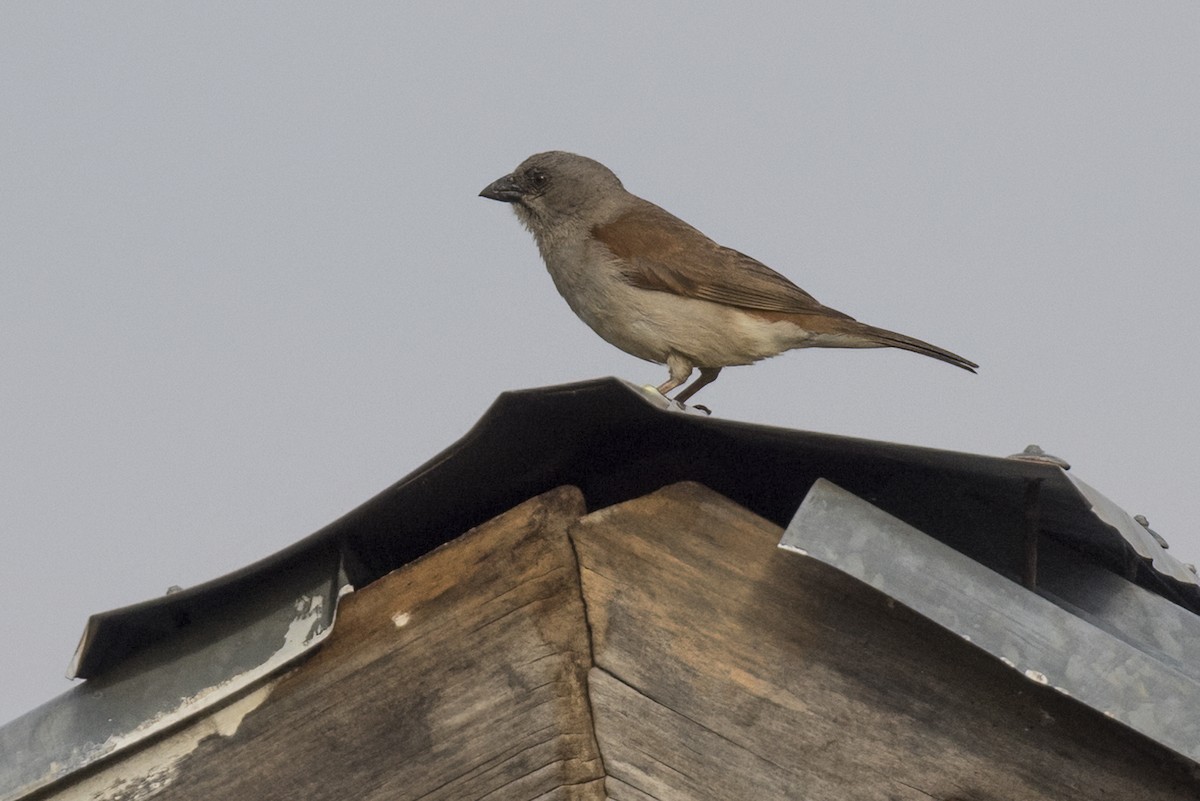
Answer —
(246, 282)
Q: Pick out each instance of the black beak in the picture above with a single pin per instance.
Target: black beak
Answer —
(506, 189)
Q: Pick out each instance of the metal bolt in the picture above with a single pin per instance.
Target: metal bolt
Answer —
(1144, 523)
(1034, 453)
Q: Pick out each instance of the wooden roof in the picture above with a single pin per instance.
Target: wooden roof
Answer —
(168, 663)
(660, 648)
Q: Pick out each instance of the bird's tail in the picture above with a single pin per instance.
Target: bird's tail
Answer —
(890, 339)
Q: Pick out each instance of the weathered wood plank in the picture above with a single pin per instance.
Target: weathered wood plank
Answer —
(584, 791)
(757, 672)
(700, 763)
(460, 676)
(620, 791)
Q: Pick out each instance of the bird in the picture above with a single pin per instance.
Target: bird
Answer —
(659, 289)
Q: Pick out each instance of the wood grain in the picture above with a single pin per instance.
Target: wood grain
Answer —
(726, 668)
(459, 676)
(660, 649)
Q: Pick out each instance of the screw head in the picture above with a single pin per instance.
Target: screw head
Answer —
(1034, 453)
(1144, 523)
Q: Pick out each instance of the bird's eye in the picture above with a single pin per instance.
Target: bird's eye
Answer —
(538, 179)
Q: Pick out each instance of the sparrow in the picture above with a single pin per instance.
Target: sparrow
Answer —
(657, 288)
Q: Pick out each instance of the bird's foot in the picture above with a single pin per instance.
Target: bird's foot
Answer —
(670, 403)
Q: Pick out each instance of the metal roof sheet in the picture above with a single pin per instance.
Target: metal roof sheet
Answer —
(615, 441)
(1138, 669)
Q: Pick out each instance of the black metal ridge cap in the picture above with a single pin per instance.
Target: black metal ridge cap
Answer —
(616, 441)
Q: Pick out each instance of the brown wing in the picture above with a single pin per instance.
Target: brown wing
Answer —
(666, 254)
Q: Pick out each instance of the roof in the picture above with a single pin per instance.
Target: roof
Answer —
(152, 664)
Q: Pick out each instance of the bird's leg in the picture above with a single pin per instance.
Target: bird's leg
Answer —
(707, 376)
(680, 369)
(669, 385)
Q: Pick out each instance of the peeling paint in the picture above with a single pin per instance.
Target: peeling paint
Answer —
(214, 659)
(145, 773)
(401, 619)
(306, 626)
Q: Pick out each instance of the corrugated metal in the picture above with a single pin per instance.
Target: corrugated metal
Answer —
(615, 442)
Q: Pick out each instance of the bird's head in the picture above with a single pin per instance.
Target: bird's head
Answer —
(553, 190)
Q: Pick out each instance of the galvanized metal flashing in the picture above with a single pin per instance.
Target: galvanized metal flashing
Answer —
(1142, 540)
(209, 660)
(151, 665)
(1099, 659)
